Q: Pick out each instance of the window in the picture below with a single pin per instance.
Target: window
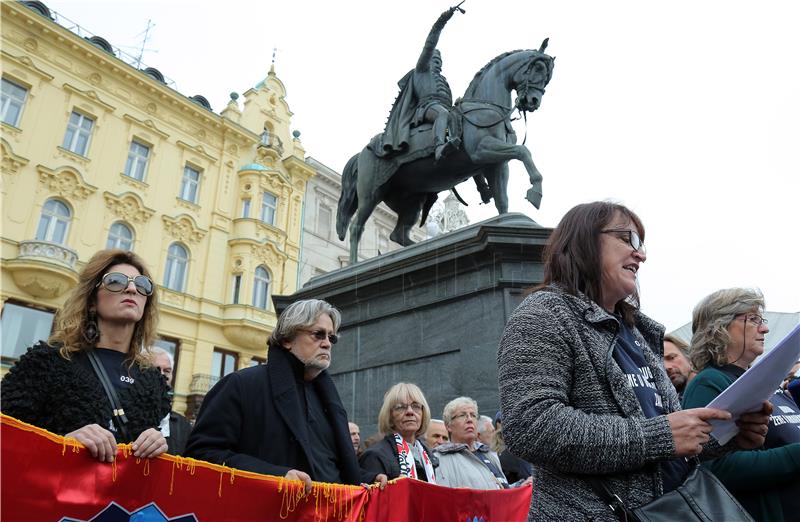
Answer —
(246, 208)
(136, 165)
(189, 183)
(54, 223)
(324, 221)
(79, 130)
(177, 261)
(120, 236)
(223, 362)
(237, 285)
(269, 202)
(261, 288)
(11, 102)
(22, 327)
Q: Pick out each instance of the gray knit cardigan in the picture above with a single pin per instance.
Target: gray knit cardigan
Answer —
(568, 410)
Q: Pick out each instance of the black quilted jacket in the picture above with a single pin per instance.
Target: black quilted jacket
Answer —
(60, 395)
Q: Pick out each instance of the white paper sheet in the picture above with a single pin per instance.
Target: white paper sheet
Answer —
(756, 385)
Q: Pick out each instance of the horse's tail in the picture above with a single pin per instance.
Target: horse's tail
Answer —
(348, 201)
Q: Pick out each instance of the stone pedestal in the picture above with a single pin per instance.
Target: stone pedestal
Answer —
(431, 314)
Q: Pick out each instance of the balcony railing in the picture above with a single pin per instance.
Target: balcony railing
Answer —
(202, 383)
(47, 251)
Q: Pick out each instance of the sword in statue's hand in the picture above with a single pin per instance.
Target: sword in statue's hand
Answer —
(458, 7)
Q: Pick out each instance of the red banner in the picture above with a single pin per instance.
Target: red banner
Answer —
(47, 477)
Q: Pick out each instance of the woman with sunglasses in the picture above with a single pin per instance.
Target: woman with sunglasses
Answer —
(728, 332)
(583, 390)
(404, 417)
(102, 328)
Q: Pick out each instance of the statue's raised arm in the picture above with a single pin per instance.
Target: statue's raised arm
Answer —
(428, 145)
(423, 64)
(424, 97)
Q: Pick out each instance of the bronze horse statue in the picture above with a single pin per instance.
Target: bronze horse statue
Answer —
(409, 182)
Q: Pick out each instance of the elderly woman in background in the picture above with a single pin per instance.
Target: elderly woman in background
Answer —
(105, 321)
(464, 462)
(583, 389)
(404, 416)
(728, 335)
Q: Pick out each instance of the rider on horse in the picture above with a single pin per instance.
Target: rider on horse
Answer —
(424, 97)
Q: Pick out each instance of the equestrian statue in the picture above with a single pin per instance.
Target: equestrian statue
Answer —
(430, 144)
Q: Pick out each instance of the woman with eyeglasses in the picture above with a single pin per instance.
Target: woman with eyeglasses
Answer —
(465, 462)
(99, 334)
(404, 417)
(728, 332)
(583, 390)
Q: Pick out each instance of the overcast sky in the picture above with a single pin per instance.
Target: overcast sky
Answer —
(688, 112)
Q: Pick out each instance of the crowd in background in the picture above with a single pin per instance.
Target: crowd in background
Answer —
(592, 391)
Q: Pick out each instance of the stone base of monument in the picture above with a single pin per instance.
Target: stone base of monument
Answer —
(431, 313)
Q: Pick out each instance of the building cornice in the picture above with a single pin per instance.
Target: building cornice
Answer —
(27, 64)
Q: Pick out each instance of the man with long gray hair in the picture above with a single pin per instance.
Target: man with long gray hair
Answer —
(285, 417)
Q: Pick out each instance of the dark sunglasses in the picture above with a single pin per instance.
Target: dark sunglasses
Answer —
(118, 282)
(321, 335)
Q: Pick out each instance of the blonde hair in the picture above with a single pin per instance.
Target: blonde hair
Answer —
(396, 395)
(710, 320)
(71, 319)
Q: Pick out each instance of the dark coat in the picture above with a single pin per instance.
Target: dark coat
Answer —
(382, 457)
(179, 429)
(253, 420)
(61, 395)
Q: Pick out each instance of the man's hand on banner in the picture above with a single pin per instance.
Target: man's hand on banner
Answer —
(296, 474)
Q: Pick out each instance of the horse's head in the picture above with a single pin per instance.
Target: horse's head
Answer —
(531, 78)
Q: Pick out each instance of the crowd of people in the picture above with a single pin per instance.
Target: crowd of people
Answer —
(593, 394)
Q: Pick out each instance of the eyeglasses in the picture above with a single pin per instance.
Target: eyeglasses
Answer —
(752, 319)
(398, 408)
(466, 415)
(117, 282)
(321, 335)
(629, 236)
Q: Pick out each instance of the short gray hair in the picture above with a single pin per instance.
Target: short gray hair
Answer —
(301, 314)
(482, 420)
(450, 408)
(710, 320)
(154, 350)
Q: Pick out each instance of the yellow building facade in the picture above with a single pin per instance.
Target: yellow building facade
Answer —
(97, 153)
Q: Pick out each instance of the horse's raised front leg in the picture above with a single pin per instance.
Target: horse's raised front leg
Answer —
(494, 150)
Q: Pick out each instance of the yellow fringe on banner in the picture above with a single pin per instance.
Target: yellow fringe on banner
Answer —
(330, 498)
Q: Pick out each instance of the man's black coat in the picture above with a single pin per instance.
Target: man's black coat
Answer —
(253, 420)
